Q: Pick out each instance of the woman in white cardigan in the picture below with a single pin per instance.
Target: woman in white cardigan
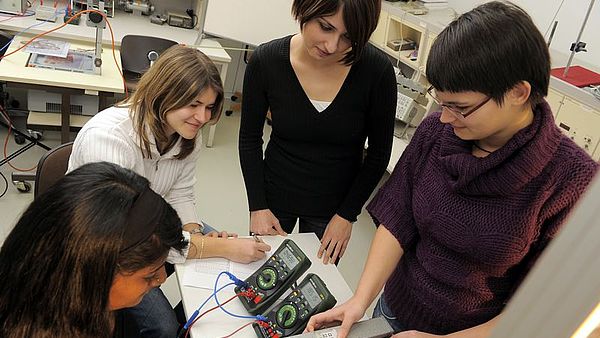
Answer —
(154, 133)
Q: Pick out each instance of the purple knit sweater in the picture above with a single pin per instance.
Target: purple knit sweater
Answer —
(471, 228)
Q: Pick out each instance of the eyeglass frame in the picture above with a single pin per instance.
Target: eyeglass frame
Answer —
(454, 110)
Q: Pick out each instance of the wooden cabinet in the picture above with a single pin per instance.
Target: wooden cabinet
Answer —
(555, 99)
(378, 36)
(582, 124)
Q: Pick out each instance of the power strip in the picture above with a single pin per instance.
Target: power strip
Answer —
(371, 328)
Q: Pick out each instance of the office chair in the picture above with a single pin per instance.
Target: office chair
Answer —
(4, 40)
(137, 54)
(51, 167)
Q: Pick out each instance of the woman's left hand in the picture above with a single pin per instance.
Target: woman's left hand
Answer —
(335, 239)
(414, 334)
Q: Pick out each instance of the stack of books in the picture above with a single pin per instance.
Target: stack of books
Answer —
(434, 4)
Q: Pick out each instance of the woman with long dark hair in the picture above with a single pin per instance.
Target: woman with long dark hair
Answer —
(93, 244)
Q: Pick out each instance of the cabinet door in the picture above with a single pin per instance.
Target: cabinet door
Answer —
(555, 100)
(378, 36)
(582, 124)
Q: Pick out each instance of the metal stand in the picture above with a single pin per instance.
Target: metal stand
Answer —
(579, 46)
(20, 178)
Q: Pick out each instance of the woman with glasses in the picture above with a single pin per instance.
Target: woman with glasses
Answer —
(156, 134)
(328, 90)
(480, 191)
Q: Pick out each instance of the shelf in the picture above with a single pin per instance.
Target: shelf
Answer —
(401, 55)
(52, 120)
(429, 43)
(398, 28)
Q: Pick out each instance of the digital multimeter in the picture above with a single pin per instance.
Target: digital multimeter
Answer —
(274, 277)
(291, 315)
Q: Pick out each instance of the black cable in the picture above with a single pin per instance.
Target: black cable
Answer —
(5, 186)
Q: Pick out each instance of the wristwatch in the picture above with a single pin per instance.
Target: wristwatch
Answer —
(197, 230)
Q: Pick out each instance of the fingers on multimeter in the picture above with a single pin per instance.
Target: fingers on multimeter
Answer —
(267, 284)
(290, 316)
(274, 277)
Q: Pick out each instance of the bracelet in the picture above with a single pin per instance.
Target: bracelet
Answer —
(201, 247)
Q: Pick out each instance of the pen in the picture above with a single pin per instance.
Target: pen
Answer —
(256, 238)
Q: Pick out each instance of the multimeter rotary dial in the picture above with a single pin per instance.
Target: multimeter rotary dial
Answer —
(267, 279)
(287, 315)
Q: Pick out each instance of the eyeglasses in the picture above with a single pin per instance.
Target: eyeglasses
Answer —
(459, 113)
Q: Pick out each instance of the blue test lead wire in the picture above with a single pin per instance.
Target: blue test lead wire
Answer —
(24, 30)
(235, 281)
(239, 283)
(195, 314)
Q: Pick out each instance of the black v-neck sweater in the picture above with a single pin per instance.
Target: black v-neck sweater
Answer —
(313, 164)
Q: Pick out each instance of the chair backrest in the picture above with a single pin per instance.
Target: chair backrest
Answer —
(51, 167)
(135, 49)
(5, 38)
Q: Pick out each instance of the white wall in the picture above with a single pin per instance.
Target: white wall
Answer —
(570, 17)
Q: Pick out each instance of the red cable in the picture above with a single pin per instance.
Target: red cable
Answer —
(19, 15)
(212, 309)
(112, 37)
(239, 329)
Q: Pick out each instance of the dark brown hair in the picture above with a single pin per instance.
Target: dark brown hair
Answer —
(58, 263)
(489, 50)
(360, 17)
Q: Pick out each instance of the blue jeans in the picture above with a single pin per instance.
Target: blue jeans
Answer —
(154, 316)
(382, 310)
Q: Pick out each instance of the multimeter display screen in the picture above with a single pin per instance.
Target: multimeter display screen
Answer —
(311, 295)
(288, 258)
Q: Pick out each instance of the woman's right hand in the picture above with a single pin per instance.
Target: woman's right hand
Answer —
(246, 250)
(263, 222)
(348, 314)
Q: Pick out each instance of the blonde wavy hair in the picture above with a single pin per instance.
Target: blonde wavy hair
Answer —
(174, 81)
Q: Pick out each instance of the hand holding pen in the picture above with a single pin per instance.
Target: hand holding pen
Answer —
(249, 250)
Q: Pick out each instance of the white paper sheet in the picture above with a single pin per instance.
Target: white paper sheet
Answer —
(49, 47)
(202, 273)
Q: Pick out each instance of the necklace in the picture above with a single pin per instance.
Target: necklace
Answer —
(478, 147)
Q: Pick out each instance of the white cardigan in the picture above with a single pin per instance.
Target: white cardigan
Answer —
(109, 136)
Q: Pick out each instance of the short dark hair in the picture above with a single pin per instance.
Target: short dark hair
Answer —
(360, 17)
(58, 263)
(489, 50)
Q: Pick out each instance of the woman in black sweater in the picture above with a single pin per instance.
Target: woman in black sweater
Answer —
(328, 90)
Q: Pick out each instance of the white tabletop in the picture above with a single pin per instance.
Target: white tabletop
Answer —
(218, 324)
(214, 51)
(122, 24)
(13, 68)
